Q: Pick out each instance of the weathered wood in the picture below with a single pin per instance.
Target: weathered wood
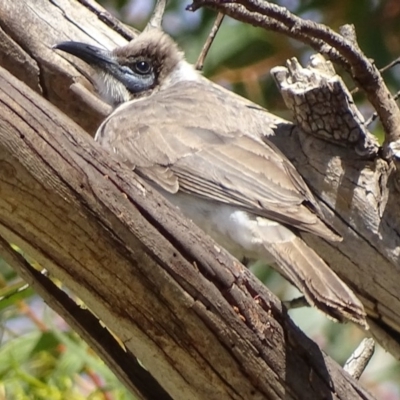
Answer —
(29, 29)
(200, 322)
(128, 369)
(322, 106)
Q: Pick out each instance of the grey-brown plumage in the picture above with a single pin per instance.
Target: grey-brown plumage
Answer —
(205, 150)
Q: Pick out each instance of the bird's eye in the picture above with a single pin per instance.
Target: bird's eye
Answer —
(142, 67)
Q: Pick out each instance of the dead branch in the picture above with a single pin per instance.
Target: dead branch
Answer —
(200, 323)
(339, 47)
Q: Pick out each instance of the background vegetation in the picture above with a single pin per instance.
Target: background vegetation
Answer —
(41, 358)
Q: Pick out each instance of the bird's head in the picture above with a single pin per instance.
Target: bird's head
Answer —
(149, 63)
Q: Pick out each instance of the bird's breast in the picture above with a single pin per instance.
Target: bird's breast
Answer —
(242, 234)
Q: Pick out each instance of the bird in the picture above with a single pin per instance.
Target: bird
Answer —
(207, 151)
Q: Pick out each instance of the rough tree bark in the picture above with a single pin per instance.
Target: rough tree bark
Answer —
(201, 324)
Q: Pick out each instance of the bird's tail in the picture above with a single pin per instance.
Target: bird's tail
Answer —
(319, 284)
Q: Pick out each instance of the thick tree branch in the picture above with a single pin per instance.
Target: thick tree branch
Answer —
(130, 371)
(200, 323)
(355, 192)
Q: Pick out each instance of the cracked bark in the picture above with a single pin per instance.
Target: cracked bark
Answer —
(202, 324)
(198, 328)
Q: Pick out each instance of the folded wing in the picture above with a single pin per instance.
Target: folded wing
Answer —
(207, 156)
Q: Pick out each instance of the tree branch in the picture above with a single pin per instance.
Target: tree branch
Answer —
(131, 373)
(341, 48)
(199, 322)
(337, 176)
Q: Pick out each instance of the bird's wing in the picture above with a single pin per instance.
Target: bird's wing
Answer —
(181, 143)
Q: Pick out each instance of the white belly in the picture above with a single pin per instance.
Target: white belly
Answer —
(242, 234)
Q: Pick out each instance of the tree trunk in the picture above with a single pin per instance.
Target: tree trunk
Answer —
(201, 324)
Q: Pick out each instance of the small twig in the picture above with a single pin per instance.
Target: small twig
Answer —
(209, 41)
(381, 70)
(360, 358)
(125, 31)
(28, 312)
(371, 119)
(390, 65)
(157, 16)
(96, 379)
(374, 116)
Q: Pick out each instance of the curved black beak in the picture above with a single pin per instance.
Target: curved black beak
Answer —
(92, 55)
(116, 82)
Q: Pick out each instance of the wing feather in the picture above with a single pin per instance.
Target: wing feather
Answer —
(210, 154)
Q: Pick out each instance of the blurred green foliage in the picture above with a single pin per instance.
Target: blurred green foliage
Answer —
(41, 358)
